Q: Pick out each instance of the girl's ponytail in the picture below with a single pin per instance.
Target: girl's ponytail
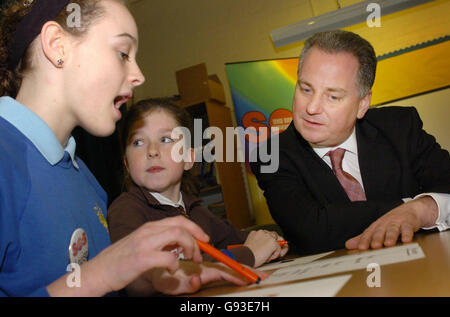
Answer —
(13, 66)
(11, 16)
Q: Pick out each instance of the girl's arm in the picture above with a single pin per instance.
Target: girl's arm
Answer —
(144, 249)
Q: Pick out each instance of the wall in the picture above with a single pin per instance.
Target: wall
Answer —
(175, 34)
(431, 108)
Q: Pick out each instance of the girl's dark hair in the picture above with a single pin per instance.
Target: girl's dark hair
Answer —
(134, 119)
(12, 14)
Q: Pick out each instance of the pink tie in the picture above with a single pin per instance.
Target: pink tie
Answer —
(351, 186)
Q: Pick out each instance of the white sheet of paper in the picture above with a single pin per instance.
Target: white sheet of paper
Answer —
(346, 263)
(326, 287)
(290, 262)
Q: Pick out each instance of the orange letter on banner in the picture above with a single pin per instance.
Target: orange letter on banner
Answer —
(250, 119)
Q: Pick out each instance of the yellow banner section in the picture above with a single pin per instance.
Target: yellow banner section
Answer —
(399, 30)
(261, 210)
(412, 73)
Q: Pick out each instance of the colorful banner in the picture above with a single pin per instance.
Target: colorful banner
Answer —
(262, 94)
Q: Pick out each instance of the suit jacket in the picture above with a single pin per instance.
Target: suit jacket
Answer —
(397, 159)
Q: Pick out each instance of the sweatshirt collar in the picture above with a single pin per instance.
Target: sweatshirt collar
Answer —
(188, 200)
(36, 130)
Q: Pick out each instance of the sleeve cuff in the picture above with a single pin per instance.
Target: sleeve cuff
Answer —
(443, 203)
(244, 255)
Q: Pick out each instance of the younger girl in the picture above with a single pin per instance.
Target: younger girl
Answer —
(155, 185)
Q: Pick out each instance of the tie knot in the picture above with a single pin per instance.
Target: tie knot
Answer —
(336, 157)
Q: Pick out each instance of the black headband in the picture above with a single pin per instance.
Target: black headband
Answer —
(29, 28)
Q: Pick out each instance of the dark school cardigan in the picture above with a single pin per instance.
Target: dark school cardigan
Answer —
(137, 206)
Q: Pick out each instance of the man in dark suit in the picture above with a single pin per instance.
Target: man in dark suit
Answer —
(350, 176)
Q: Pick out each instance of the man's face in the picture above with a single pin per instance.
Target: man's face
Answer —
(326, 101)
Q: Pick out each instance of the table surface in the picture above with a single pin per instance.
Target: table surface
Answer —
(429, 276)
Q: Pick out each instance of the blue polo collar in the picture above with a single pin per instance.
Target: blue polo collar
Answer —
(36, 130)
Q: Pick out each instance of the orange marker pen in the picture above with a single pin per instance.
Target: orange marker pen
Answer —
(280, 242)
(216, 254)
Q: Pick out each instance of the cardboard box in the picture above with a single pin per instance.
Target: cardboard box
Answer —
(195, 86)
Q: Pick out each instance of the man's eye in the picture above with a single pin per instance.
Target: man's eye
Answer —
(306, 90)
(166, 139)
(335, 98)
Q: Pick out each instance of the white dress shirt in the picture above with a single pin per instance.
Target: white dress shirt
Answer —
(350, 164)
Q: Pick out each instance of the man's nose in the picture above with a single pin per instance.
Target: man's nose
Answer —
(314, 105)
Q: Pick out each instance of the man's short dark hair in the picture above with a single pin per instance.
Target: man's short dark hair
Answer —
(338, 41)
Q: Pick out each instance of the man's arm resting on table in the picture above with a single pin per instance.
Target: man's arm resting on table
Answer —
(422, 212)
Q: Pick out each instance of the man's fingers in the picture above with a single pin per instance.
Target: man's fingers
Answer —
(392, 234)
(386, 230)
(352, 243)
(365, 240)
(407, 233)
(377, 238)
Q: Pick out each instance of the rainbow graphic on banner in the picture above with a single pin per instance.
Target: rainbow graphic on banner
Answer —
(262, 86)
(262, 93)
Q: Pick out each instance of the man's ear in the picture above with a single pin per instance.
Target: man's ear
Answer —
(188, 164)
(54, 42)
(364, 105)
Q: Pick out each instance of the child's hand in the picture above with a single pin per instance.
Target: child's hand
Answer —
(265, 247)
(123, 262)
(190, 277)
(149, 247)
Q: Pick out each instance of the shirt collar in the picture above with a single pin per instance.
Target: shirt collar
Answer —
(166, 201)
(144, 194)
(349, 145)
(36, 130)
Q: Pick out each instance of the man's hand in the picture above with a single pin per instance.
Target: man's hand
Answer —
(402, 221)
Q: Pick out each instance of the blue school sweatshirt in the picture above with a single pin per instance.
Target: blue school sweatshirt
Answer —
(46, 193)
